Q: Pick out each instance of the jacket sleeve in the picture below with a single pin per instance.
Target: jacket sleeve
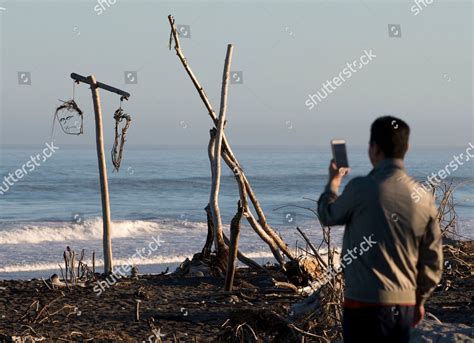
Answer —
(430, 261)
(334, 209)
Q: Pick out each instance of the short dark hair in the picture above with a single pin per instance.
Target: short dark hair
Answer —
(391, 135)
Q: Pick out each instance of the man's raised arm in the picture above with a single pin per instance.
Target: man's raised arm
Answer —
(334, 209)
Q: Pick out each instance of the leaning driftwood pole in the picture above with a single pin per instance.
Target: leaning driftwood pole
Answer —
(263, 221)
(247, 213)
(104, 184)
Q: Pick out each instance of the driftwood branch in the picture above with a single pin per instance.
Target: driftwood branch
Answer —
(93, 262)
(216, 165)
(214, 213)
(315, 251)
(233, 249)
(206, 250)
(242, 258)
(263, 221)
(248, 214)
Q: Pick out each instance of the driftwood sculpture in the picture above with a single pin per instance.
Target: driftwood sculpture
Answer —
(219, 147)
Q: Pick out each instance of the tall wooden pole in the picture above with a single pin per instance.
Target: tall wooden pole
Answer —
(214, 200)
(104, 185)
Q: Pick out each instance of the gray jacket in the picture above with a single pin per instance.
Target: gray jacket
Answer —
(401, 260)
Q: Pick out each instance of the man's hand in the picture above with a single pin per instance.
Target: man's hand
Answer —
(336, 174)
(419, 314)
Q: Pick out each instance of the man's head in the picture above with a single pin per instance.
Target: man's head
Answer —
(388, 139)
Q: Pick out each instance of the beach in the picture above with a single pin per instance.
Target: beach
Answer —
(156, 235)
(196, 309)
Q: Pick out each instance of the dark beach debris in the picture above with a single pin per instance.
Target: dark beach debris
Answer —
(453, 300)
(188, 307)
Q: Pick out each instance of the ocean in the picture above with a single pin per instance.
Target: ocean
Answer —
(161, 191)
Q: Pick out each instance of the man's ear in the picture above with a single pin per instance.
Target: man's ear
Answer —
(378, 151)
(376, 148)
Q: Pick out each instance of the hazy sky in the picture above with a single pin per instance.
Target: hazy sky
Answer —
(286, 50)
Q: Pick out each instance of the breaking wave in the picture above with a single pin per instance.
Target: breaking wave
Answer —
(34, 233)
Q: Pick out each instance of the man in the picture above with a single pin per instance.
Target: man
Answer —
(388, 283)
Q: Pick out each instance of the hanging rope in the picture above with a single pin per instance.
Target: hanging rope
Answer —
(120, 135)
(69, 116)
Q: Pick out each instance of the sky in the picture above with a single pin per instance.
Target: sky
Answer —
(284, 51)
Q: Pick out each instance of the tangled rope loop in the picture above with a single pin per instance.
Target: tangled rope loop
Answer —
(120, 135)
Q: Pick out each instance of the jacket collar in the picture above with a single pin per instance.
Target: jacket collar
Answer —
(388, 164)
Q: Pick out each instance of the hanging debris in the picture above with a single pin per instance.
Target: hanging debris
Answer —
(70, 118)
(120, 135)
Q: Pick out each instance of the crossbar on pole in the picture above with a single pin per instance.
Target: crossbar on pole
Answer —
(87, 80)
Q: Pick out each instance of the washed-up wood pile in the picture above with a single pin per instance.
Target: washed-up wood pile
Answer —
(177, 308)
(171, 308)
(457, 265)
(453, 300)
